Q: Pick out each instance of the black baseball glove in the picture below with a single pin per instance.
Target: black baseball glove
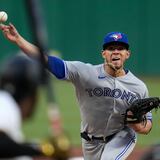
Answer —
(136, 113)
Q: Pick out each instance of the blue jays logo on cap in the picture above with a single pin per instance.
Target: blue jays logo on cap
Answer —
(115, 37)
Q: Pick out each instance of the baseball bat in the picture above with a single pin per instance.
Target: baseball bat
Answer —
(41, 41)
(40, 37)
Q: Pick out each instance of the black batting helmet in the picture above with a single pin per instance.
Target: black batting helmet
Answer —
(20, 76)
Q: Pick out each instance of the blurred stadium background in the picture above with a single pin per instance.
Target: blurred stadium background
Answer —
(76, 30)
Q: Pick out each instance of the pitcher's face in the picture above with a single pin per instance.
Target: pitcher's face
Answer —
(116, 54)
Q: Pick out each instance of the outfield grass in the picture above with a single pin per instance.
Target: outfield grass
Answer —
(38, 126)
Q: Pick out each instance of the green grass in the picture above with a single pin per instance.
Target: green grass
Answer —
(38, 126)
(153, 137)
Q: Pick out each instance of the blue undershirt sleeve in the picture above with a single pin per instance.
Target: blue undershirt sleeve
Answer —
(56, 66)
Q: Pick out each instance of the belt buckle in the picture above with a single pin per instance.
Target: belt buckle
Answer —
(104, 139)
(90, 137)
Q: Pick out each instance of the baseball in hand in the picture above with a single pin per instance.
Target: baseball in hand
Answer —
(3, 16)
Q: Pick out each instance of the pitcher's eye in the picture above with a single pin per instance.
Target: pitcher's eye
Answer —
(120, 48)
(111, 48)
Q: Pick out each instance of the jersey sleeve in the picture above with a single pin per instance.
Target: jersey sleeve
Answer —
(76, 71)
(67, 70)
(149, 116)
(56, 67)
(146, 95)
(10, 118)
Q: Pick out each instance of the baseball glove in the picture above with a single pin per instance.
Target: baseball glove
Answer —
(136, 113)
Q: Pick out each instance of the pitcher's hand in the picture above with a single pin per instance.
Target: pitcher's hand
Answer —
(10, 32)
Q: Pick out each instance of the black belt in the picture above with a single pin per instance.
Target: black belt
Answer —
(87, 137)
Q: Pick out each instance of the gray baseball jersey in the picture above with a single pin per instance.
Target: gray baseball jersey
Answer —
(103, 100)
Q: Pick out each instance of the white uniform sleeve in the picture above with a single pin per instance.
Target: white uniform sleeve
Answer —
(10, 117)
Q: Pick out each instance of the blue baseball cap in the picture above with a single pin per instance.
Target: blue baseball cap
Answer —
(114, 38)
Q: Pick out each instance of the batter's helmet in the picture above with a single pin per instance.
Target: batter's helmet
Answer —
(20, 76)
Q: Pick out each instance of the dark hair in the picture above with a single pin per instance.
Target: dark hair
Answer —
(20, 76)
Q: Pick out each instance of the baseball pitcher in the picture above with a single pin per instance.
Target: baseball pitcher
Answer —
(104, 93)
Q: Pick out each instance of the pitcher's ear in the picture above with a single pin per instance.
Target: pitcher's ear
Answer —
(103, 53)
(128, 54)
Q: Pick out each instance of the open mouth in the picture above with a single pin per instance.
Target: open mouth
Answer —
(115, 59)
